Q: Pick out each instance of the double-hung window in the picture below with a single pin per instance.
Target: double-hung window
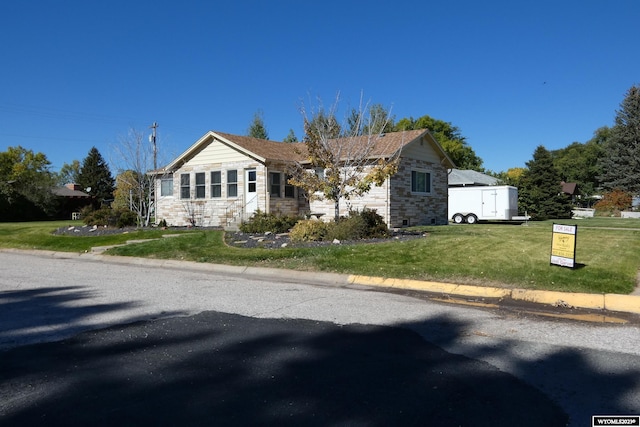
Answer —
(166, 186)
(200, 185)
(420, 182)
(232, 183)
(216, 184)
(185, 186)
(289, 189)
(274, 181)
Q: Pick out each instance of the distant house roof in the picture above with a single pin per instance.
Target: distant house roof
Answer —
(71, 191)
(570, 188)
(464, 178)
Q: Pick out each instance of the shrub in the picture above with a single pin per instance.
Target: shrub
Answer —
(309, 230)
(110, 217)
(100, 217)
(613, 202)
(351, 228)
(125, 218)
(374, 223)
(261, 222)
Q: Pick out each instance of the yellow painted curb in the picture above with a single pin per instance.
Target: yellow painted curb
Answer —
(625, 303)
(595, 301)
(420, 285)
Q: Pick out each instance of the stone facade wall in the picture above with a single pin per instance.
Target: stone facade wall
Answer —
(408, 208)
(394, 200)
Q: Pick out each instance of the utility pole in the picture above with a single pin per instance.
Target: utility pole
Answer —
(152, 139)
(152, 191)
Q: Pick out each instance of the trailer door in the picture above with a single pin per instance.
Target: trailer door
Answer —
(489, 203)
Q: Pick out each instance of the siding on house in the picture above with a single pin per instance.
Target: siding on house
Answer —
(394, 200)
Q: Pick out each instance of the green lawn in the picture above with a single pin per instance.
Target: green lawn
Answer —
(608, 251)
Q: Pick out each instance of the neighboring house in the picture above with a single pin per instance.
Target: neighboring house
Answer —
(468, 178)
(222, 179)
(70, 200)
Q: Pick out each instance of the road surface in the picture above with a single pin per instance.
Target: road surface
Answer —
(287, 352)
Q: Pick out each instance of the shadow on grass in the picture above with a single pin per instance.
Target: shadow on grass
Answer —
(221, 369)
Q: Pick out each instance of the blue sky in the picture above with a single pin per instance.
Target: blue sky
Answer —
(511, 75)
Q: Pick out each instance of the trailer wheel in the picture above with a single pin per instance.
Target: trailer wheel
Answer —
(472, 219)
(458, 219)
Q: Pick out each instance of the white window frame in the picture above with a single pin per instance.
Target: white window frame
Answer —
(232, 184)
(201, 187)
(186, 186)
(166, 186)
(428, 181)
(216, 184)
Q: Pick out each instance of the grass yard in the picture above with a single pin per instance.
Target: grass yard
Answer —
(608, 251)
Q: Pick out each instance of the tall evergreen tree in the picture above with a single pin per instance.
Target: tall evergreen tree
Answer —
(621, 160)
(540, 192)
(95, 174)
(257, 128)
(291, 137)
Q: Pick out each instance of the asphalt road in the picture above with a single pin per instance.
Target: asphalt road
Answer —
(193, 347)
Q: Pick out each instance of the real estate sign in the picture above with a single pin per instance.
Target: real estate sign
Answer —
(563, 245)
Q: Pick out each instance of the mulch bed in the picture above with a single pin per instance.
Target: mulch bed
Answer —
(239, 239)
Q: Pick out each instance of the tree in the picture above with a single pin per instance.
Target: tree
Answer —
(25, 185)
(343, 161)
(95, 177)
(621, 160)
(540, 192)
(291, 137)
(512, 176)
(123, 196)
(579, 163)
(449, 137)
(135, 158)
(69, 173)
(379, 116)
(257, 128)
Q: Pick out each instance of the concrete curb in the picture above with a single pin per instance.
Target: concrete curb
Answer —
(610, 302)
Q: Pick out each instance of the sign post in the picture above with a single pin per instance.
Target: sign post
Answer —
(563, 245)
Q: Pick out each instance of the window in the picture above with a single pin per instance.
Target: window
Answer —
(200, 186)
(232, 183)
(288, 188)
(216, 184)
(420, 182)
(185, 186)
(166, 186)
(274, 181)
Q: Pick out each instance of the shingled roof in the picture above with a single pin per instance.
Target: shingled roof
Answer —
(264, 150)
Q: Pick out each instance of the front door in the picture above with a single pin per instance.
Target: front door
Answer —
(250, 191)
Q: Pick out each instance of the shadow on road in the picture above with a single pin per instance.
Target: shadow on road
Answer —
(223, 369)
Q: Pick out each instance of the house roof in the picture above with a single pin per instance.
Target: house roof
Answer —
(463, 178)
(264, 150)
(570, 188)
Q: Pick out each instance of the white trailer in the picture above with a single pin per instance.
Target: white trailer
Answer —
(487, 203)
